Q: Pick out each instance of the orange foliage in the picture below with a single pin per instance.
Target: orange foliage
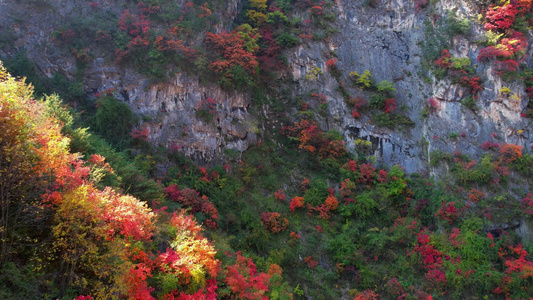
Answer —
(510, 152)
(332, 203)
(296, 202)
(231, 46)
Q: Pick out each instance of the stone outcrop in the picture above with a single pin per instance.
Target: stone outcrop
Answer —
(386, 40)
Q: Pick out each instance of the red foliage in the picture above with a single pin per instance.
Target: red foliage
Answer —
(389, 105)
(331, 203)
(331, 63)
(500, 17)
(305, 184)
(296, 202)
(316, 10)
(351, 166)
(472, 82)
(445, 59)
(431, 257)
(382, 176)
(134, 25)
(395, 288)
(518, 265)
(310, 261)
(231, 47)
(527, 204)
(476, 195)
(346, 188)
(295, 236)
(269, 56)
(367, 173)
(244, 281)
(367, 295)
(516, 45)
(488, 145)
(137, 287)
(312, 139)
(453, 237)
(510, 152)
(273, 222)
(492, 52)
(505, 66)
(191, 198)
(143, 135)
(432, 105)
(280, 195)
(323, 211)
(448, 211)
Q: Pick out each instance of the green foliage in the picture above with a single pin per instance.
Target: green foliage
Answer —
(470, 103)
(460, 63)
(114, 121)
(313, 74)
(364, 207)
(386, 87)
(437, 157)
(18, 282)
(287, 40)
(364, 79)
(391, 120)
(21, 66)
(456, 26)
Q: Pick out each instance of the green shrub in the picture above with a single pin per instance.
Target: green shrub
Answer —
(114, 121)
(287, 40)
(386, 87)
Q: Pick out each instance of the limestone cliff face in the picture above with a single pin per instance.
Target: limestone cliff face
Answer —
(385, 39)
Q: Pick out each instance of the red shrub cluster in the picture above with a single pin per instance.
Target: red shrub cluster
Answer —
(445, 60)
(389, 105)
(316, 10)
(312, 139)
(142, 135)
(310, 261)
(448, 211)
(432, 105)
(232, 49)
(280, 195)
(395, 288)
(244, 281)
(296, 202)
(191, 198)
(488, 145)
(510, 152)
(505, 66)
(476, 195)
(367, 173)
(431, 258)
(500, 17)
(295, 236)
(472, 83)
(527, 204)
(273, 222)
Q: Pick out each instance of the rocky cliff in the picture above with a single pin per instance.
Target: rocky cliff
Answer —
(387, 38)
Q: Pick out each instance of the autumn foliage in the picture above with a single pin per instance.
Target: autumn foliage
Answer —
(312, 139)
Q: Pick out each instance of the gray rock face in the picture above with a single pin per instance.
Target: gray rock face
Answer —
(384, 40)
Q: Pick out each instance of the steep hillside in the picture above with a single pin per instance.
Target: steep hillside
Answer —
(365, 147)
